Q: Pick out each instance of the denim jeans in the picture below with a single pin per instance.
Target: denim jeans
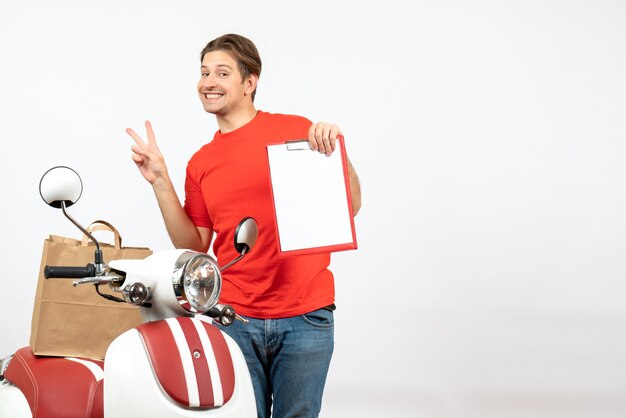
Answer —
(288, 360)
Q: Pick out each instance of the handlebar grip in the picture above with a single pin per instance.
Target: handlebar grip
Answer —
(66, 272)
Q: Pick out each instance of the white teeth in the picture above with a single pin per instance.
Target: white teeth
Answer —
(213, 95)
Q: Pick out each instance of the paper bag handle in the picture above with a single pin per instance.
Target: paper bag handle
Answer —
(101, 225)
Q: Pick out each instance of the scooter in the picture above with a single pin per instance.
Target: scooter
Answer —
(176, 364)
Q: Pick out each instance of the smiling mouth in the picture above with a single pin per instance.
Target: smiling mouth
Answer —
(210, 96)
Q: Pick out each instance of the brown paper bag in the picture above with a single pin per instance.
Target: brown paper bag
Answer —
(73, 321)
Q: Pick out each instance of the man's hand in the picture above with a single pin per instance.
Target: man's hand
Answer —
(147, 156)
(323, 137)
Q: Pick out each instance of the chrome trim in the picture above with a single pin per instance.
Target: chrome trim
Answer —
(177, 279)
(130, 291)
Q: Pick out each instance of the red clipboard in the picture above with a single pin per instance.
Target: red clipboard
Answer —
(312, 199)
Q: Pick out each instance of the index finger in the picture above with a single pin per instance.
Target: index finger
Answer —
(135, 137)
(150, 131)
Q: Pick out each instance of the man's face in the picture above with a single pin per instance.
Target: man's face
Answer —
(221, 87)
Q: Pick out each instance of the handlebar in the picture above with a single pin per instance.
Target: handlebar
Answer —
(67, 272)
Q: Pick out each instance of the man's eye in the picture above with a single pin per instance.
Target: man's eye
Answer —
(204, 74)
(223, 74)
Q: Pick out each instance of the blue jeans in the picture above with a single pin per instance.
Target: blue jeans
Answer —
(288, 360)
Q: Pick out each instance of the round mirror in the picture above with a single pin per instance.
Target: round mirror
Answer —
(60, 184)
(245, 235)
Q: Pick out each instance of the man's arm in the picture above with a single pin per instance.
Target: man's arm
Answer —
(182, 231)
(355, 188)
(151, 165)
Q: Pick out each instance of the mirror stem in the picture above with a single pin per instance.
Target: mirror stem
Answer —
(235, 260)
(98, 260)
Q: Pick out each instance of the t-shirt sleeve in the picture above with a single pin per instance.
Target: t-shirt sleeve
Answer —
(303, 125)
(194, 202)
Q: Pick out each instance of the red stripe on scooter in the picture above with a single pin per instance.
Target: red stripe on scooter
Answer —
(165, 359)
(201, 368)
(224, 360)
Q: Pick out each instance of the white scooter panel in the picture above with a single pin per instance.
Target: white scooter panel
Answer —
(177, 367)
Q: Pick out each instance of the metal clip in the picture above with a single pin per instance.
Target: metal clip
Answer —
(298, 145)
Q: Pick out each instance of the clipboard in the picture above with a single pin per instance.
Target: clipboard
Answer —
(312, 199)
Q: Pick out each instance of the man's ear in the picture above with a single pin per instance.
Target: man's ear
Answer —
(250, 84)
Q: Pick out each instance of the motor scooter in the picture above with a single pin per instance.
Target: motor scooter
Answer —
(176, 364)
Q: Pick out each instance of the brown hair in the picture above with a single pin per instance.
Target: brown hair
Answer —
(243, 51)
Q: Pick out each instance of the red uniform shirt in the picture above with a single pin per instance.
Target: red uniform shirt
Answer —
(227, 180)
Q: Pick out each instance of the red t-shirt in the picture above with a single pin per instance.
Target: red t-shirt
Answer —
(227, 180)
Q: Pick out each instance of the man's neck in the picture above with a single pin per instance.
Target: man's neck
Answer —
(235, 120)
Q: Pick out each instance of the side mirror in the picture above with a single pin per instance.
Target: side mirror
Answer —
(60, 185)
(245, 235)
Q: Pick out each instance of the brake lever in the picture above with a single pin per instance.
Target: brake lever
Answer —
(106, 279)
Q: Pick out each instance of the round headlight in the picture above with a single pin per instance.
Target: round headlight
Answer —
(200, 282)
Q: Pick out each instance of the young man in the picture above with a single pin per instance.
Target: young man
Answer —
(289, 301)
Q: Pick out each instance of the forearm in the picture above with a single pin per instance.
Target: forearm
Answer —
(183, 233)
(355, 189)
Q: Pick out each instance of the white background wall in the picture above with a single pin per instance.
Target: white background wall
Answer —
(489, 137)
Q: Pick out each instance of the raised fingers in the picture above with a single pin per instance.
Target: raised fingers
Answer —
(135, 137)
(151, 138)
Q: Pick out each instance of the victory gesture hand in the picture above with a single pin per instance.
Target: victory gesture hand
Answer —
(147, 156)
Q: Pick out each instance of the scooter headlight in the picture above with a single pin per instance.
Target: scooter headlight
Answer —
(197, 282)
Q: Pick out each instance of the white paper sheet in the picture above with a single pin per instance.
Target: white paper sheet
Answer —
(311, 198)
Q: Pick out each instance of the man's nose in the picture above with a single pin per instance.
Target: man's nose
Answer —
(208, 81)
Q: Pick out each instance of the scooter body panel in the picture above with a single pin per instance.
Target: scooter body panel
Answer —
(132, 389)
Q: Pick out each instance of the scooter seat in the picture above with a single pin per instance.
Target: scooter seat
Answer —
(57, 386)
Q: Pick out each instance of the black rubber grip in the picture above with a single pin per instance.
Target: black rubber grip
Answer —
(64, 272)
